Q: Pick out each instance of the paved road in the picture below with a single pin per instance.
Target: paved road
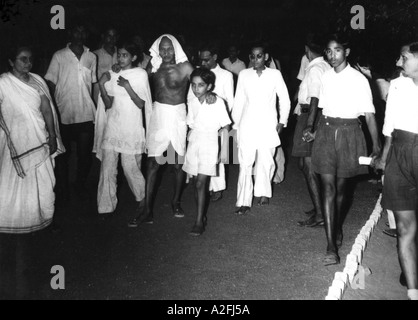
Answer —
(262, 256)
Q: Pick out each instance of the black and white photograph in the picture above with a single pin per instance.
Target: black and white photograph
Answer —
(208, 155)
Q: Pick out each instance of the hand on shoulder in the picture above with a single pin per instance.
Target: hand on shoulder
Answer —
(211, 98)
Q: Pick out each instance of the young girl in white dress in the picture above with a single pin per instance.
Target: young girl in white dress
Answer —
(124, 95)
(202, 155)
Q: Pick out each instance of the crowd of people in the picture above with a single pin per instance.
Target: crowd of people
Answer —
(118, 101)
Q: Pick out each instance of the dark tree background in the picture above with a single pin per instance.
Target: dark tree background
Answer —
(283, 23)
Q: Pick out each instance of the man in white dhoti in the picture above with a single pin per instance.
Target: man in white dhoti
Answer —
(167, 128)
(255, 119)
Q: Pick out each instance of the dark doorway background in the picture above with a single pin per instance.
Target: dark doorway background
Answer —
(284, 24)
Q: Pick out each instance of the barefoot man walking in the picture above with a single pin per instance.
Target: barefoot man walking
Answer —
(167, 127)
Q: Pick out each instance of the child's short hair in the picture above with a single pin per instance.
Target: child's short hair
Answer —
(341, 39)
(134, 50)
(207, 76)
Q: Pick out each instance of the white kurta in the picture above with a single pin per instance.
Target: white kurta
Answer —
(124, 131)
(235, 67)
(224, 88)
(73, 79)
(254, 112)
(224, 85)
(255, 117)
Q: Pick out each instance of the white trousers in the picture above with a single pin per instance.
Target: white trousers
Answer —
(106, 193)
(263, 171)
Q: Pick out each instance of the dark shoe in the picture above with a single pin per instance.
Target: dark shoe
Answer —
(402, 279)
(197, 230)
(331, 258)
(391, 233)
(311, 222)
(134, 223)
(149, 219)
(310, 212)
(177, 210)
(138, 220)
(216, 196)
(242, 210)
(264, 201)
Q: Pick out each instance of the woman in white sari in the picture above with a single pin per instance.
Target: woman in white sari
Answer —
(29, 141)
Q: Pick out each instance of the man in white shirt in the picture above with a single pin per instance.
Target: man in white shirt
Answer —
(106, 56)
(339, 140)
(304, 62)
(309, 97)
(279, 158)
(70, 76)
(233, 63)
(224, 88)
(399, 159)
(255, 119)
